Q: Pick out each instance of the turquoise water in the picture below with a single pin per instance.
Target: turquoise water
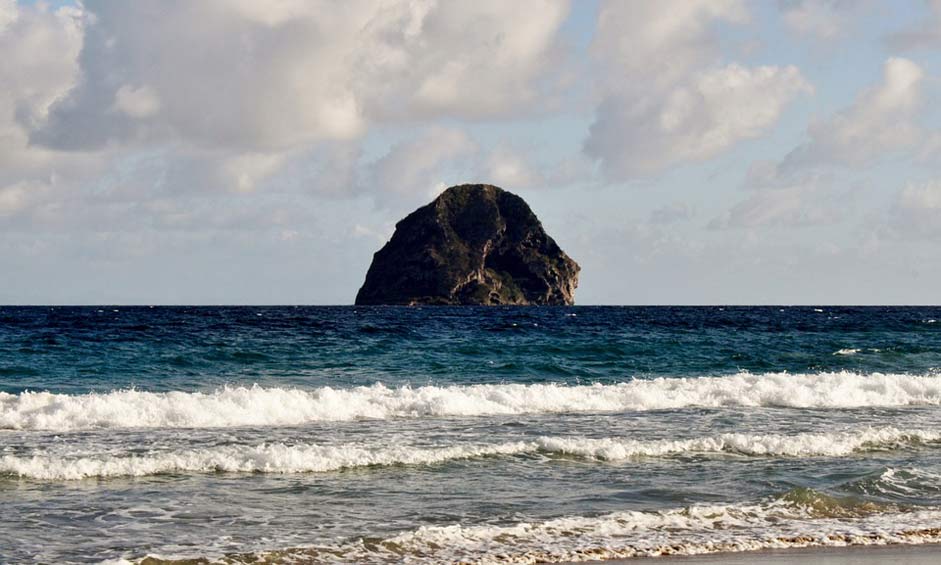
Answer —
(350, 434)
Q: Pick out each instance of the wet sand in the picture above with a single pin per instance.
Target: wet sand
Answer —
(927, 554)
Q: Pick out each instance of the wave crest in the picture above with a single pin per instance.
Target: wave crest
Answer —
(310, 458)
(792, 520)
(259, 406)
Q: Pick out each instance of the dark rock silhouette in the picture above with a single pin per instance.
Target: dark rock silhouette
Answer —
(474, 244)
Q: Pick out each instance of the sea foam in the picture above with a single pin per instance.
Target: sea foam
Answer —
(265, 458)
(792, 520)
(260, 406)
(309, 458)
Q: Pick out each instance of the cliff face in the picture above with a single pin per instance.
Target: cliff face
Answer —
(474, 244)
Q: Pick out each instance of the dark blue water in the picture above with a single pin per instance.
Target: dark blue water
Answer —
(75, 350)
(362, 434)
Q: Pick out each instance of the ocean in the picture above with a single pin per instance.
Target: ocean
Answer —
(466, 434)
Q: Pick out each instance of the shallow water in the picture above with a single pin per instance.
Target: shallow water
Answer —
(353, 434)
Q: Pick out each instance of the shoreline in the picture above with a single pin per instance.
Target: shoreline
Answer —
(900, 554)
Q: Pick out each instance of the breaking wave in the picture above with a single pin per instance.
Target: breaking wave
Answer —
(311, 458)
(799, 518)
(259, 406)
(901, 483)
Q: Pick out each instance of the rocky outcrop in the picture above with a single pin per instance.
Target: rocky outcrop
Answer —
(474, 244)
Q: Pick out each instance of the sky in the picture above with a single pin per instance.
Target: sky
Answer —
(682, 151)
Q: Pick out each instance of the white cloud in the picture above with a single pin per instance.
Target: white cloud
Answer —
(917, 210)
(222, 79)
(476, 59)
(795, 206)
(244, 171)
(820, 18)
(248, 78)
(413, 168)
(796, 191)
(777, 199)
(273, 12)
(508, 167)
(8, 13)
(424, 165)
(652, 45)
(380, 236)
(39, 66)
(141, 102)
(928, 34)
(671, 213)
(666, 98)
(235, 93)
(882, 119)
(13, 198)
(694, 120)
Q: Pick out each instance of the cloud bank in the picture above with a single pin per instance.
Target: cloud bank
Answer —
(232, 139)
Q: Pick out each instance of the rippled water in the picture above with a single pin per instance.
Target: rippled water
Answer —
(345, 434)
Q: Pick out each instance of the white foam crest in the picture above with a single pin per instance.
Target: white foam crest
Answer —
(855, 350)
(308, 458)
(774, 445)
(265, 458)
(686, 531)
(259, 406)
(909, 482)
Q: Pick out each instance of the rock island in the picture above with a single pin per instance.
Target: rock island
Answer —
(474, 244)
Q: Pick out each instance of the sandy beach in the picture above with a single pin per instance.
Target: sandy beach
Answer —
(928, 554)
